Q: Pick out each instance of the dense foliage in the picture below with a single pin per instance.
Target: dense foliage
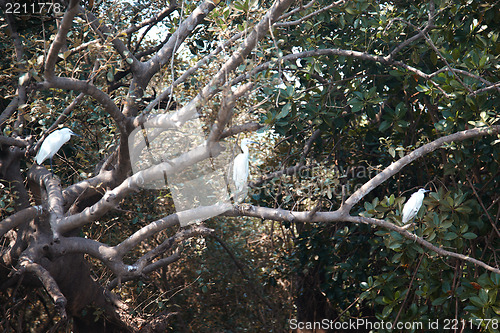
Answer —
(340, 91)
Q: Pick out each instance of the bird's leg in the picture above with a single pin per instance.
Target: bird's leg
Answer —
(51, 168)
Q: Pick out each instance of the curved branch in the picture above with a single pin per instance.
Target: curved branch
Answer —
(166, 93)
(308, 16)
(342, 214)
(248, 127)
(153, 20)
(48, 282)
(102, 30)
(336, 216)
(60, 39)
(189, 110)
(22, 216)
(421, 241)
(417, 153)
(91, 90)
(42, 176)
(9, 141)
(177, 38)
(113, 197)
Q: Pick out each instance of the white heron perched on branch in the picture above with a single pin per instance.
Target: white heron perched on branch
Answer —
(52, 143)
(241, 171)
(412, 206)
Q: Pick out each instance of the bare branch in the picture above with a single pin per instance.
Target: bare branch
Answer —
(297, 10)
(9, 110)
(395, 167)
(48, 282)
(248, 127)
(421, 32)
(22, 216)
(175, 41)
(103, 31)
(308, 16)
(153, 20)
(185, 113)
(342, 214)
(226, 111)
(421, 241)
(9, 141)
(166, 93)
(336, 216)
(482, 206)
(112, 197)
(94, 92)
(482, 90)
(60, 39)
(42, 176)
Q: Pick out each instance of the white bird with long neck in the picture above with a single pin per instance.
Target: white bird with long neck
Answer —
(412, 206)
(52, 143)
(241, 171)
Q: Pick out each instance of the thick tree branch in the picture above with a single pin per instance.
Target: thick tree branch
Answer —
(308, 16)
(48, 282)
(44, 178)
(342, 214)
(9, 141)
(60, 39)
(336, 216)
(16, 219)
(395, 167)
(178, 37)
(293, 170)
(91, 90)
(248, 127)
(112, 197)
(226, 112)
(193, 69)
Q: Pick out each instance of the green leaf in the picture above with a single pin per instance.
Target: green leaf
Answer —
(450, 236)
(356, 105)
(446, 224)
(384, 125)
(477, 302)
(387, 311)
(469, 235)
(433, 57)
(495, 278)
(439, 301)
(284, 111)
(483, 295)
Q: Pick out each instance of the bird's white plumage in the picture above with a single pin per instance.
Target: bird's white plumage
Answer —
(240, 170)
(412, 206)
(52, 143)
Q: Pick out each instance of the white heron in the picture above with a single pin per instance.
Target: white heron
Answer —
(412, 206)
(241, 171)
(52, 143)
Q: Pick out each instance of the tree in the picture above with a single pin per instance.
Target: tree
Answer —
(355, 92)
